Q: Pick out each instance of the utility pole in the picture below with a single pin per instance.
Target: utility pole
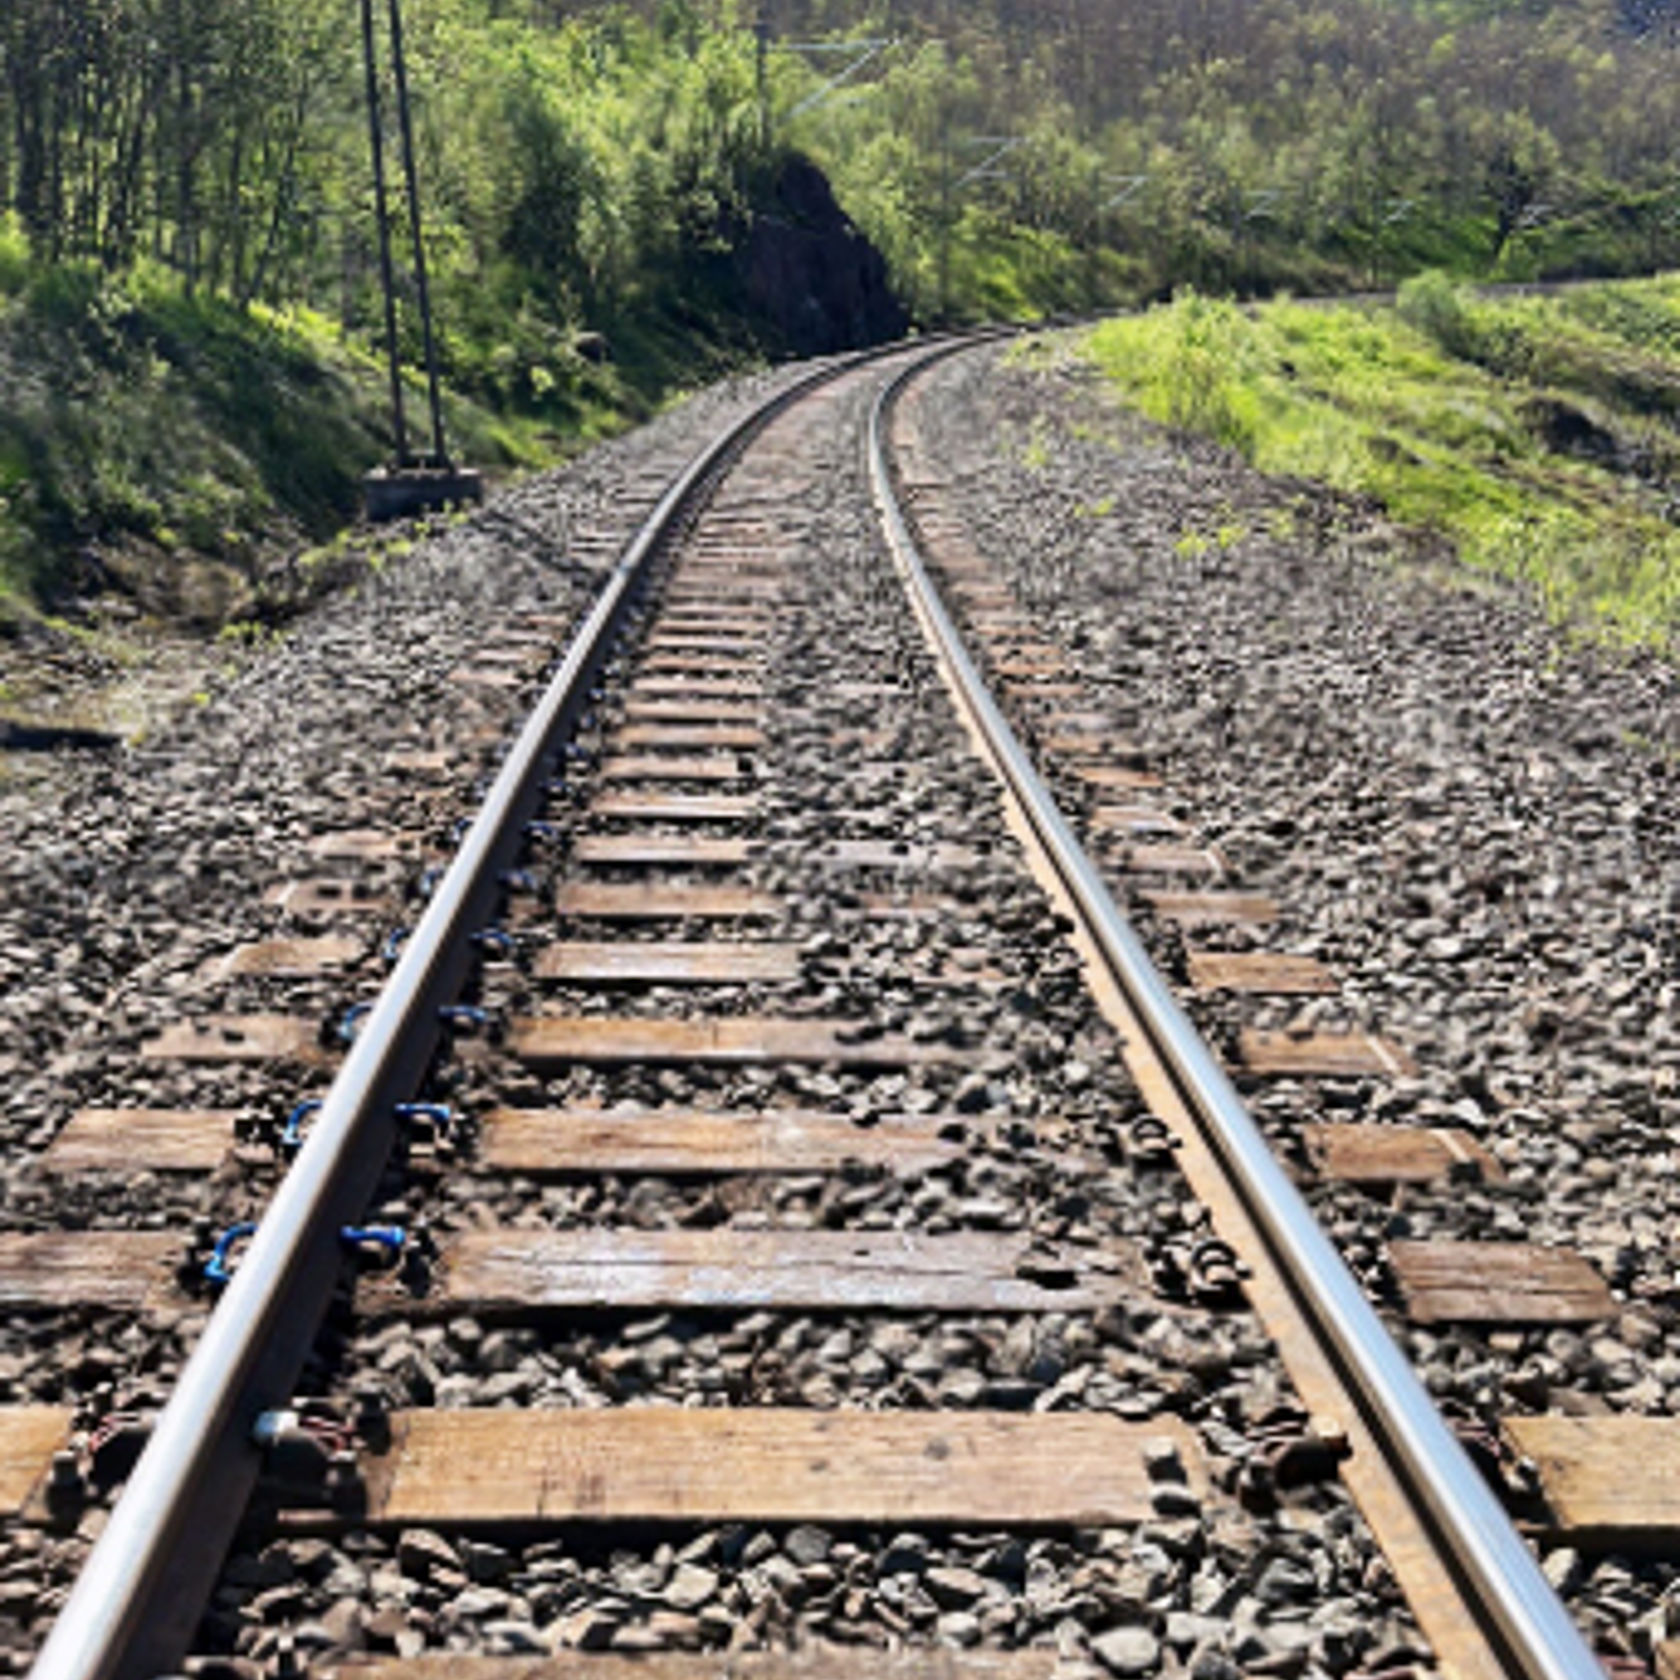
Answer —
(382, 215)
(399, 65)
(1093, 271)
(762, 30)
(944, 216)
(410, 484)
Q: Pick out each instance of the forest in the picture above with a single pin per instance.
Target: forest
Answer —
(570, 151)
(1077, 149)
(589, 170)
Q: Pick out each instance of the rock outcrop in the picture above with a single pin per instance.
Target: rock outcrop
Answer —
(814, 280)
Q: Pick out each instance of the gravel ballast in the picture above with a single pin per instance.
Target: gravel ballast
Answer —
(863, 745)
(1466, 813)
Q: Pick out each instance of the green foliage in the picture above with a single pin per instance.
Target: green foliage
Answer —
(15, 261)
(142, 425)
(1519, 430)
(1257, 146)
(1440, 310)
(1201, 375)
(184, 207)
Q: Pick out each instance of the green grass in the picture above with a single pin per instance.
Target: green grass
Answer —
(1534, 434)
(147, 434)
(152, 430)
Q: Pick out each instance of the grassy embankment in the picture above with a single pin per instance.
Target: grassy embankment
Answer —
(1537, 435)
(182, 454)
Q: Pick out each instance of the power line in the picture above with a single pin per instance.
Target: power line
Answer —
(989, 168)
(863, 53)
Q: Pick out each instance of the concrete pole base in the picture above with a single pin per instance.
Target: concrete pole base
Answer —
(401, 492)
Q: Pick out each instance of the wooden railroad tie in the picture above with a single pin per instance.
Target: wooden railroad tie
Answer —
(423, 764)
(551, 1043)
(663, 851)
(643, 902)
(1116, 778)
(1143, 858)
(696, 688)
(694, 712)
(1379, 1155)
(1046, 688)
(525, 1469)
(713, 665)
(651, 767)
(688, 963)
(688, 737)
(1326, 1055)
(365, 845)
(290, 959)
(673, 808)
(1113, 749)
(1057, 1469)
(680, 641)
(122, 1271)
(559, 1142)
(1259, 973)
(161, 1139)
(705, 617)
(541, 1143)
(330, 898)
(894, 855)
(1608, 1483)
(809, 1662)
(1498, 1283)
(215, 1040)
(1135, 822)
(518, 1273)
(1212, 909)
(724, 594)
(515, 1273)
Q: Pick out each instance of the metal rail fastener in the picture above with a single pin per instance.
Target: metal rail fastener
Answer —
(1521, 1613)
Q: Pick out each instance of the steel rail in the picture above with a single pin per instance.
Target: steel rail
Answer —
(1521, 1614)
(133, 1608)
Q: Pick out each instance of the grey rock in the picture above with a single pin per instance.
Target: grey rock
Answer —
(344, 1625)
(1285, 1581)
(514, 1639)
(690, 1587)
(589, 1629)
(1214, 1662)
(960, 1628)
(421, 1554)
(954, 1588)
(1127, 1650)
(485, 1564)
(808, 1544)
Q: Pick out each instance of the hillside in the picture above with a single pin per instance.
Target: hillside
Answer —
(1259, 144)
(619, 207)
(1533, 438)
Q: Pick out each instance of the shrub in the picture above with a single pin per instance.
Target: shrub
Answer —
(1207, 353)
(1434, 306)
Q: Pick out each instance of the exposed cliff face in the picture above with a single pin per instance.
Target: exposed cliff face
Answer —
(817, 283)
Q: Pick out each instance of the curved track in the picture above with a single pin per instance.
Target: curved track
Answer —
(653, 706)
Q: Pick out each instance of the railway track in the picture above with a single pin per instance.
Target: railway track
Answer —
(772, 1204)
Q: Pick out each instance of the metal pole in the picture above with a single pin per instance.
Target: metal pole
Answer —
(944, 217)
(762, 30)
(440, 449)
(376, 136)
(1093, 272)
